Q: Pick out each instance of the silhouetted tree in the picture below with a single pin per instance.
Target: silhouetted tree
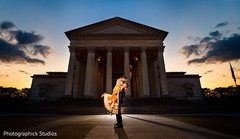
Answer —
(10, 95)
(222, 95)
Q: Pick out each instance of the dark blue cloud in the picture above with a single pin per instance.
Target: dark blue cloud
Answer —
(10, 53)
(27, 37)
(26, 47)
(222, 24)
(190, 50)
(206, 39)
(214, 48)
(7, 25)
(42, 50)
(226, 49)
(193, 38)
(215, 34)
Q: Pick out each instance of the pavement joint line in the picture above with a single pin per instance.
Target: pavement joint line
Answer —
(203, 114)
(150, 126)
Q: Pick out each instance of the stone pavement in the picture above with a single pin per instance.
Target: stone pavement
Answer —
(148, 127)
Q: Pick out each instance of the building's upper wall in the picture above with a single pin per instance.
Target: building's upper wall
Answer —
(177, 87)
(54, 88)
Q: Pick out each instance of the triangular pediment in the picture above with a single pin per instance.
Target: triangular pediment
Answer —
(115, 29)
(116, 26)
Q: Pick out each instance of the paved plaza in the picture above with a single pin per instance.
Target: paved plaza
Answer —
(150, 126)
(135, 126)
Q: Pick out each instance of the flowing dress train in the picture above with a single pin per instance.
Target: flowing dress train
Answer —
(111, 102)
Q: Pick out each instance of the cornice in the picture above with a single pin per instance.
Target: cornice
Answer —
(49, 76)
(115, 43)
(116, 37)
(183, 76)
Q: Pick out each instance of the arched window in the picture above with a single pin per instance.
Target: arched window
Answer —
(189, 89)
(43, 90)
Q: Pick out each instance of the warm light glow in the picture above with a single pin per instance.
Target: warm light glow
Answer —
(99, 58)
(19, 75)
(136, 58)
(130, 71)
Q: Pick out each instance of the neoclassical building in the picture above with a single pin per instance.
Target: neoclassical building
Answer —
(101, 52)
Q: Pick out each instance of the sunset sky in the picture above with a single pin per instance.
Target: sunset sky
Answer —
(204, 35)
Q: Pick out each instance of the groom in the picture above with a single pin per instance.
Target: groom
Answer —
(119, 115)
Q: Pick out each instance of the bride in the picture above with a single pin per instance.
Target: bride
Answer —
(111, 102)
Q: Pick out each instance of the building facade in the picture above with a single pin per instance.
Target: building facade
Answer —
(50, 86)
(100, 53)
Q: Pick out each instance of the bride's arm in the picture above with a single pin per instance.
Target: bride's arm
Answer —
(119, 82)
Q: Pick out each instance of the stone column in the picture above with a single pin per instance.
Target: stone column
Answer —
(71, 71)
(163, 76)
(82, 78)
(145, 78)
(90, 68)
(156, 80)
(76, 80)
(127, 69)
(94, 81)
(109, 70)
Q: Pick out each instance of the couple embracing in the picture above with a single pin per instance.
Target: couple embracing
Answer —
(113, 102)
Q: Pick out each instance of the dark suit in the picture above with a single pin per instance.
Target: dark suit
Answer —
(119, 115)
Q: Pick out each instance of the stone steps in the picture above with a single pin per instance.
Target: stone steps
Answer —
(130, 106)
